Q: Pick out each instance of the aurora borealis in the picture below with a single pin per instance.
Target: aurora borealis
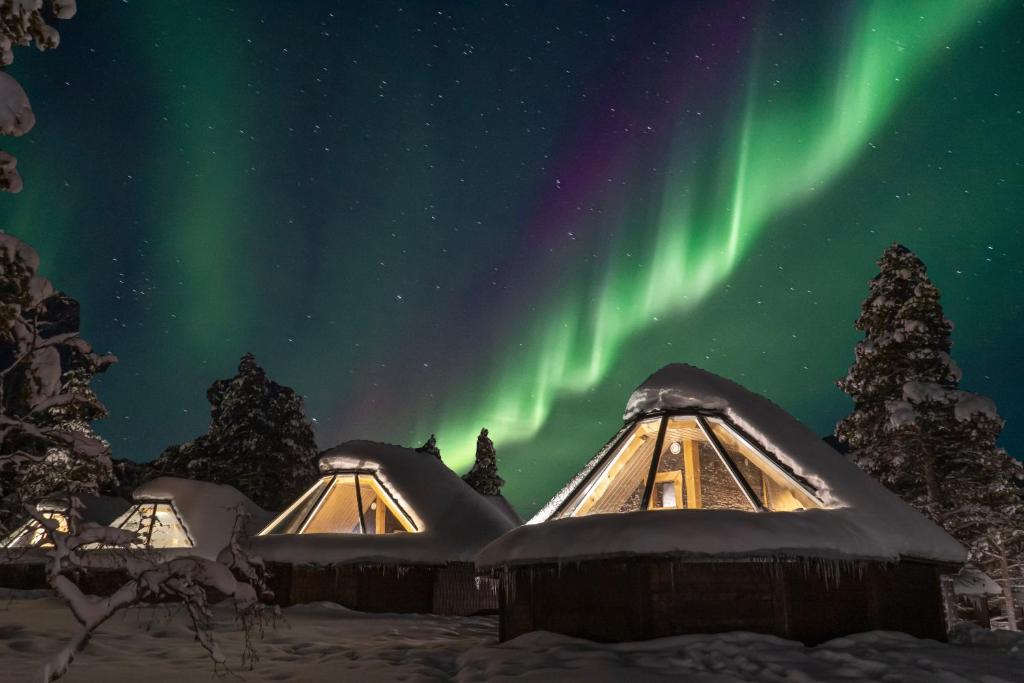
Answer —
(435, 217)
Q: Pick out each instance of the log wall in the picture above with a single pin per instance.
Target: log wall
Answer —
(451, 589)
(640, 598)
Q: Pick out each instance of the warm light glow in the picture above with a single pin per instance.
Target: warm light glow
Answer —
(347, 503)
(157, 524)
(32, 535)
(689, 473)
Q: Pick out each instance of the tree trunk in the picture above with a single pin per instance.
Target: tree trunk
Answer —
(931, 481)
(1009, 607)
(949, 601)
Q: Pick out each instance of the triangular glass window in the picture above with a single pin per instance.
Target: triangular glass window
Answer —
(702, 464)
(619, 485)
(691, 475)
(346, 503)
(289, 521)
(31, 533)
(776, 490)
(157, 524)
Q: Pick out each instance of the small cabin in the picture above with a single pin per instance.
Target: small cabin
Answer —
(173, 516)
(384, 529)
(713, 510)
(23, 551)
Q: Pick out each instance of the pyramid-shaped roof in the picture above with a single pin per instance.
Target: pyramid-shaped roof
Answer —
(705, 467)
(380, 502)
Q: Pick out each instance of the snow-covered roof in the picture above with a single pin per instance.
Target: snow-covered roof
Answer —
(857, 517)
(452, 520)
(96, 509)
(207, 511)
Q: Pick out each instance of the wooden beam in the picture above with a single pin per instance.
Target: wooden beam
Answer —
(691, 468)
(735, 473)
(659, 443)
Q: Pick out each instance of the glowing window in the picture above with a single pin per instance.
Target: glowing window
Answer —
(691, 475)
(701, 464)
(619, 486)
(776, 490)
(347, 503)
(32, 535)
(157, 525)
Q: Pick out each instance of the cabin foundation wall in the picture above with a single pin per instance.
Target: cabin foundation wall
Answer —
(641, 598)
(451, 589)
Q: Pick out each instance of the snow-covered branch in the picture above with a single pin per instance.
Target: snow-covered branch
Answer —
(23, 22)
(194, 582)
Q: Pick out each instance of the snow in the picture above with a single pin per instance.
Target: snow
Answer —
(16, 117)
(861, 518)
(208, 511)
(323, 642)
(64, 9)
(966, 406)
(972, 581)
(504, 507)
(837, 535)
(456, 521)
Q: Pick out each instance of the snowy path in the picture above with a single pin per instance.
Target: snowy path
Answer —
(325, 642)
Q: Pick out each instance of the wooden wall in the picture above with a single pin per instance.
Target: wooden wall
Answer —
(640, 598)
(449, 589)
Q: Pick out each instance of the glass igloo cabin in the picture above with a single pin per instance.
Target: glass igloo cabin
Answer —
(385, 529)
(23, 551)
(174, 516)
(713, 510)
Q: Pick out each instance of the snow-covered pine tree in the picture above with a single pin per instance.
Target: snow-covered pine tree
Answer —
(983, 509)
(906, 340)
(430, 447)
(484, 475)
(929, 442)
(47, 443)
(259, 440)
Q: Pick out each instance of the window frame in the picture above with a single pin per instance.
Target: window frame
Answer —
(404, 518)
(566, 509)
(149, 532)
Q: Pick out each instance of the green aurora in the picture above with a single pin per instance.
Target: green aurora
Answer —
(436, 217)
(785, 151)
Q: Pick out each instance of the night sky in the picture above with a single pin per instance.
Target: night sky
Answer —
(434, 217)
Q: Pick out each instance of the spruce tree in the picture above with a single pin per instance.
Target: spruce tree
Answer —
(929, 442)
(906, 340)
(259, 440)
(430, 447)
(484, 475)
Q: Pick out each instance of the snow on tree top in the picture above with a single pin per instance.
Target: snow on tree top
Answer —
(453, 521)
(859, 518)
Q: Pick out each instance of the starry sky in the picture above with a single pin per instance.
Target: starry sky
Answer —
(435, 217)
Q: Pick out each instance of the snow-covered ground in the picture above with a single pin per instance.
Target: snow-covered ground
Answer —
(325, 642)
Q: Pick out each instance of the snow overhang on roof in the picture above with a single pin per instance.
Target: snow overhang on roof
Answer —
(858, 518)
